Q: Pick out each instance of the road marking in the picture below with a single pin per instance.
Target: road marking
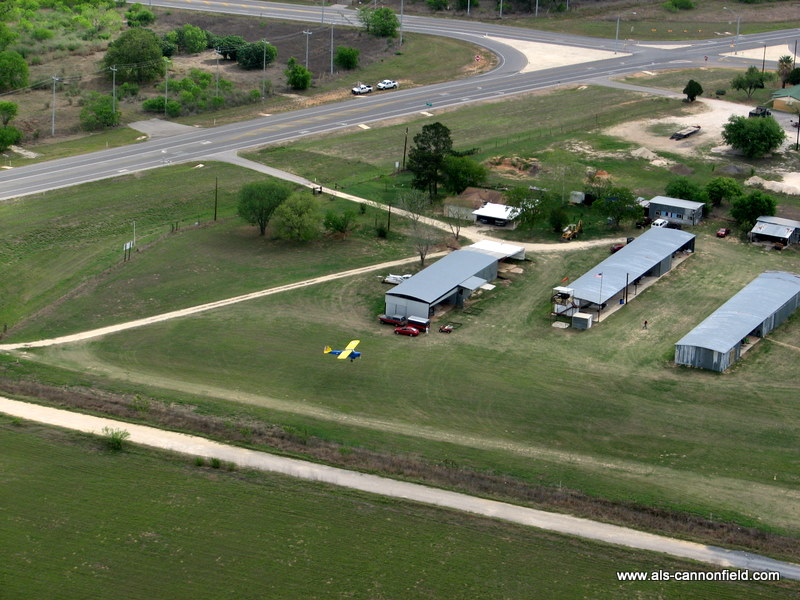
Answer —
(205, 142)
(363, 126)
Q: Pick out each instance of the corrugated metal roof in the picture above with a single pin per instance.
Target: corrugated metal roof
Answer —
(634, 260)
(498, 249)
(775, 227)
(792, 92)
(496, 211)
(676, 202)
(442, 276)
(744, 312)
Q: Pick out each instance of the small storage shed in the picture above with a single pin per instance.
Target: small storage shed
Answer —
(757, 309)
(775, 229)
(675, 210)
(787, 99)
(500, 215)
(451, 280)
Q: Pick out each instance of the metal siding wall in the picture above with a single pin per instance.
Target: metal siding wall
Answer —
(703, 358)
(405, 307)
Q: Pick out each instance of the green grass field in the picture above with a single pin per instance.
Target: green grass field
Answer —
(602, 412)
(135, 524)
(542, 404)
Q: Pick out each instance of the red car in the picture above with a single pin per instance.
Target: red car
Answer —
(723, 232)
(407, 330)
(617, 248)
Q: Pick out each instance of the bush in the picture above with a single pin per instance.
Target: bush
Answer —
(297, 76)
(128, 90)
(720, 92)
(115, 438)
(191, 39)
(138, 16)
(9, 136)
(676, 5)
(98, 112)
(437, 5)
(254, 95)
(41, 34)
(257, 55)
(346, 57)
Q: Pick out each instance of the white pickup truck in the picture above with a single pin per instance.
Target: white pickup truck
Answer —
(362, 89)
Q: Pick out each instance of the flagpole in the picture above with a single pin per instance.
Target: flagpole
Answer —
(600, 305)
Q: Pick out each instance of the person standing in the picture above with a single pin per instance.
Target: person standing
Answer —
(645, 325)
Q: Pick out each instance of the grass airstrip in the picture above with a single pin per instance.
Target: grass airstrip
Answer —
(601, 411)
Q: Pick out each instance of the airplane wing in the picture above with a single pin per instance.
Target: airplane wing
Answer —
(348, 349)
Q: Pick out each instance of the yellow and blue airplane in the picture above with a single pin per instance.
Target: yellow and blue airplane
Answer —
(348, 352)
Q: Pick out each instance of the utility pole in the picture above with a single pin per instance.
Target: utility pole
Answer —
(216, 192)
(216, 93)
(331, 47)
(263, 73)
(405, 146)
(308, 34)
(53, 125)
(501, 9)
(401, 20)
(113, 89)
(166, 87)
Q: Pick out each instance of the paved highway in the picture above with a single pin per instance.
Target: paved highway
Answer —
(506, 80)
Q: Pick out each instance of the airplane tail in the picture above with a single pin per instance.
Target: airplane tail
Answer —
(326, 350)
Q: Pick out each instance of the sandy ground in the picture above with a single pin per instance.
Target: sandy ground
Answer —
(711, 115)
(770, 53)
(548, 56)
(251, 459)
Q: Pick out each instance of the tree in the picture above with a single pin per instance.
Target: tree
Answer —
(13, 71)
(259, 200)
(98, 112)
(794, 77)
(8, 137)
(753, 137)
(380, 22)
(746, 209)
(191, 39)
(692, 90)
(297, 76)
(257, 55)
(461, 172)
(426, 157)
(618, 204)
(342, 223)
(137, 56)
(681, 187)
(298, 218)
(416, 205)
(228, 46)
(723, 188)
(530, 206)
(8, 110)
(557, 218)
(138, 16)
(346, 57)
(785, 66)
(7, 36)
(750, 81)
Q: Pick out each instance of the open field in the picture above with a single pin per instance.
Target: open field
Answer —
(146, 524)
(602, 412)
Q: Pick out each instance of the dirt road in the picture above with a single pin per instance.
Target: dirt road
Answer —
(251, 459)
